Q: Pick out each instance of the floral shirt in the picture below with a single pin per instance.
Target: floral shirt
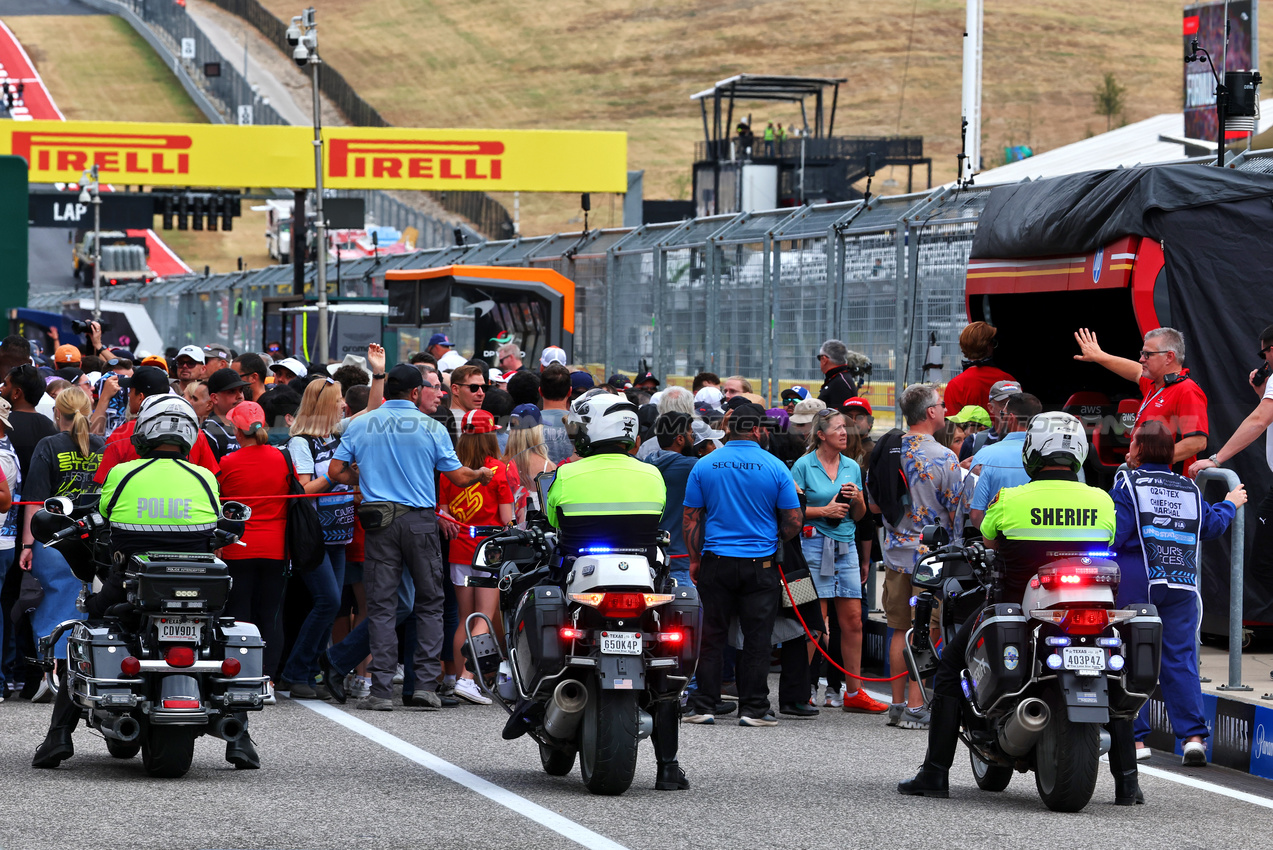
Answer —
(934, 482)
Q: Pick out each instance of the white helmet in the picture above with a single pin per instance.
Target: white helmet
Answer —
(1054, 439)
(165, 420)
(599, 419)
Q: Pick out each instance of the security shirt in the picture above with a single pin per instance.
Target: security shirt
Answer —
(606, 500)
(162, 504)
(742, 487)
(1052, 517)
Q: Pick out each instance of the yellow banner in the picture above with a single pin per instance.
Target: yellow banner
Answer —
(355, 157)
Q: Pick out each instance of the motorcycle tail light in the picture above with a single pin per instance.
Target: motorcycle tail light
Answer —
(130, 666)
(568, 633)
(180, 656)
(671, 637)
(622, 604)
(1059, 576)
(181, 703)
(1082, 621)
(231, 667)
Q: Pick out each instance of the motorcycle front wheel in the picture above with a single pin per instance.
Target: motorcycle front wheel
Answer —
(557, 762)
(167, 751)
(1067, 759)
(608, 740)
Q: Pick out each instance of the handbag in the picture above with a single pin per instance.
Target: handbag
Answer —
(303, 534)
(802, 589)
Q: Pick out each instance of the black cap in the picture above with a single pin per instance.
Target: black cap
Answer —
(735, 401)
(151, 380)
(225, 379)
(648, 376)
(402, 378)
(746, 416)
(69, 373)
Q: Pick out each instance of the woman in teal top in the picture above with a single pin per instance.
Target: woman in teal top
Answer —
(825, 475)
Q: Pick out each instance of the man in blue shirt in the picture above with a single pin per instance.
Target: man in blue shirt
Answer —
(740, 502)
(1000, 464)
(393, 454)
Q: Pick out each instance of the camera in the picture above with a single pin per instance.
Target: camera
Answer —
(79, 327)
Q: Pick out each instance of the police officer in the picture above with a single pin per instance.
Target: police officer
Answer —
(611, 498)
(1028, 526)
(160, 501)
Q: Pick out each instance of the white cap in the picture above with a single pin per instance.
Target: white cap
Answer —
(703, 433)
(656, 398)
(451, 360)
(495, 376)
(708, 395)
(552, 354)
(194, 352)
(292, 365)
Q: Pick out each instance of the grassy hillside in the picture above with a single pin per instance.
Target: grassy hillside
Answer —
(632, 64)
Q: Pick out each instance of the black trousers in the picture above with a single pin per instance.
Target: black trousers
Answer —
(746, 588)
(946, 679)
(257, 597)
(793, 682)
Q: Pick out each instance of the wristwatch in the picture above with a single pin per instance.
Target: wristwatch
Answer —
(379, 377)
(1215, 459)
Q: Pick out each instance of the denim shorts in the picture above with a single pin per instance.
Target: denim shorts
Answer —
(847, 581)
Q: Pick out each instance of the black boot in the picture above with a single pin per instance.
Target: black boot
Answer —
(943, 737)
(58, 746)
(667, 740)
(242, 753)
(1122, 764)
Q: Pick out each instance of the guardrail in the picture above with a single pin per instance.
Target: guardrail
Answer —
(1237, 552)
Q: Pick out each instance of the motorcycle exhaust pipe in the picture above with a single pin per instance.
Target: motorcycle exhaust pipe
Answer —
(228, 729)
(565, 709)
(1024, 727)
(122, 728)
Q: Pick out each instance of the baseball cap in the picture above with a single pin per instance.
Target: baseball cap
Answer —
(711, 396)
(478, 422)
(971, 413)
(216, 351)
(5, 409)
(526, 416)
(402, 378)
(70, 373)
(806, 410)
(247, 416)
(440, 339)
(703, 433)
(648, 376)
(799, 393)
(225, 379)
(495, 376)
(1000, 390)
(746, 416)
(506, 376)
(292, 365)
(156, 361)
(552, 354)
(125, 353)
(66, 355)
(707, 411)
(581, 381)
(150, 380)
(619, 382)
(858, 401)
(194, 352)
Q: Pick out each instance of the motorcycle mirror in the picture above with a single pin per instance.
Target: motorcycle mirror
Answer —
(59, 505)
(236, 511)
(934, 536)
(927, 571)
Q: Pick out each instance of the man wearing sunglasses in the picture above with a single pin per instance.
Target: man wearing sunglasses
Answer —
(837, 382)
(468, 391)
(509, 358)
(1169, 394)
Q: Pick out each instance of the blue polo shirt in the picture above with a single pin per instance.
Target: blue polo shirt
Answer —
(397, 449)
(1001, 466)
(743, 487)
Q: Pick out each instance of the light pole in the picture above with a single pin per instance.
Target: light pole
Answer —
(89, 195)
(302, 35)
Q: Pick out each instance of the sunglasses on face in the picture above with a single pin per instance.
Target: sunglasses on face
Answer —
(473, 388)
(186, 364)
(1265, 350)
(1145, 355)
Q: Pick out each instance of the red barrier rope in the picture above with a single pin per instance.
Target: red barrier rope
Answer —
(240, 498)
(796, 608)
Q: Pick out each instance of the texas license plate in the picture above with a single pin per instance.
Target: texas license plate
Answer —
(1085, 661)
(621, 643)
(179, 629)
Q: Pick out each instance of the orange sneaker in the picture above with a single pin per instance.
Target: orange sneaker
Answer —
(864, 703)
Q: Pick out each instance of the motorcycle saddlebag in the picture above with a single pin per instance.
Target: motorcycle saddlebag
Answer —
(684, 614)
(243, 641)
(177, 581)
(95, 652)
(537, 634)
(1142, 652)
(999, 654)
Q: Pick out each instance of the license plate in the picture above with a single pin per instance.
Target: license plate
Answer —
(621, 643)
(1085, 661)
(176, 629)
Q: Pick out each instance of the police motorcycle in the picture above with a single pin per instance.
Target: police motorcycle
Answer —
(164, 667)
(592, 645)
(1040, 679)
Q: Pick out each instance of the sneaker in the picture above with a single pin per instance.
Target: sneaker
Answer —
(423, 699)
(895, 712)
(915, 718)
(399, 675)
(864, 703)
(1143, 753)
(361, 687)
(446, 689)
(767, 720)
(370, 703)
(300, 690)
(1195, 754)
(467, 689)
(47, 688)
(700, 719)
(729, 690)
(833, 698)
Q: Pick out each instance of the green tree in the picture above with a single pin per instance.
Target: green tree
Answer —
(1109, 99)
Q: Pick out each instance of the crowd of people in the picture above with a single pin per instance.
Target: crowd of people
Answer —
(403, 462)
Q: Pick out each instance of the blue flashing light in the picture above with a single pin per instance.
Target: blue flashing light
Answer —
(472, 531)
(1116, 662)
(1055, 662)
(596, 550)
(1101, 553)
(1112, 642)
(1058, 641)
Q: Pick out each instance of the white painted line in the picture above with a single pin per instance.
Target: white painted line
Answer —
(563, 826)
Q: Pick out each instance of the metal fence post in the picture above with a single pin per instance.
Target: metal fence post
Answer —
(1237, 553)
(767, 341)
(899, 287)
(775, 281)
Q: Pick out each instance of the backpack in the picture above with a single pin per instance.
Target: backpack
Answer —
(885, 481)
(303, 536)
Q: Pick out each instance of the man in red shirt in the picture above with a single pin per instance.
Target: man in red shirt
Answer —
(972, 386)
(1170, 395)
(145, 382)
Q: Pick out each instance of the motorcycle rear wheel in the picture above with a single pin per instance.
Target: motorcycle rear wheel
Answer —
(608, 740)
(989, 777)
(167, 751)
(557, 762)
(1067, 759)
(121, 750)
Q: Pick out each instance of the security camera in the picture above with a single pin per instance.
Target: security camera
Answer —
(85, 197)
(300, 55)
(293, 33)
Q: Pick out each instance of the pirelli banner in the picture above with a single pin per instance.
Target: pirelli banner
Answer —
(355, 157)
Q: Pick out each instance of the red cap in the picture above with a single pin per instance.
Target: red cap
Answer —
(858, 401)
(245, 415)
(478, 422)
